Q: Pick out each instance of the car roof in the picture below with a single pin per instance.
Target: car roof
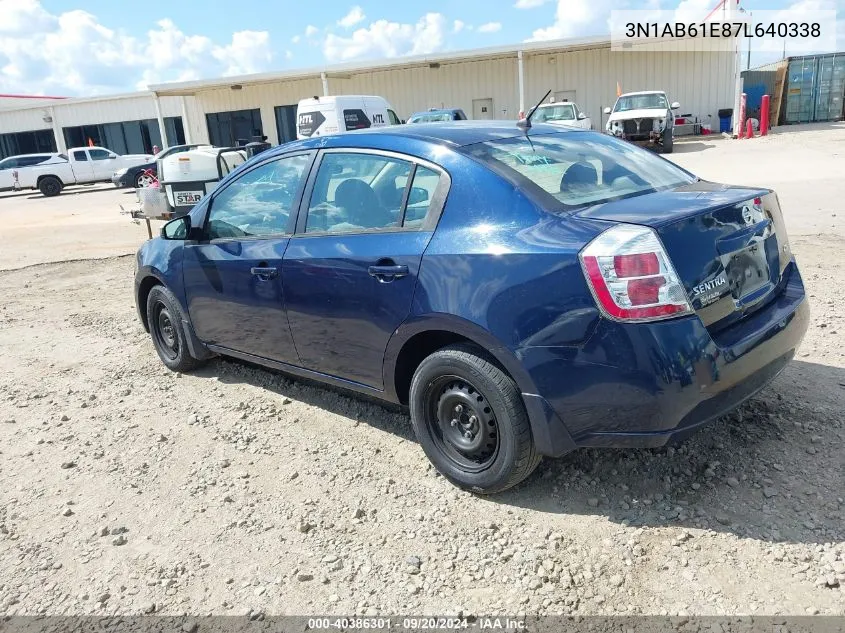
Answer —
(454, 133)
(437, 111)
(555, 103)
(644, 92)
(33, 154)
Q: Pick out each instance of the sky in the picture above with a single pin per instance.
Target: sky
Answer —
(90, 47)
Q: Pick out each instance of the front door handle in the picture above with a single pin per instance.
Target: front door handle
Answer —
(388, 273)
(265, 273)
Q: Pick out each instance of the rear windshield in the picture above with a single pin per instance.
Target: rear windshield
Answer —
(638, 102)
(577, 169)
(432, 118)
(554, 113)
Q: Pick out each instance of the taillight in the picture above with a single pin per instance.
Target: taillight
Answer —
(631, 275)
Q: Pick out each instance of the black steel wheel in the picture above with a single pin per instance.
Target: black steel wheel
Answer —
(164, 332)
(470, 420)
(463, 424)
(164, 319)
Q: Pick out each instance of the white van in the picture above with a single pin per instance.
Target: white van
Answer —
(320, 116)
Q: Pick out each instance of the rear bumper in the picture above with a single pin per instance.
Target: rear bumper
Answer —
(124, 180)
(644, 384)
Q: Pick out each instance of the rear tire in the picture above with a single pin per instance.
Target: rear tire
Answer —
(667, 140)
(50, 186)
(164, 317)
(470, 420)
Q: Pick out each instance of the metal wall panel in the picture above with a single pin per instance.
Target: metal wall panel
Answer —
(23, 120)
(88, 112)
(264, 96)
(453, 85)
(701, 81)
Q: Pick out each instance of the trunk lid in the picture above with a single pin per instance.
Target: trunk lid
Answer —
(728, 244)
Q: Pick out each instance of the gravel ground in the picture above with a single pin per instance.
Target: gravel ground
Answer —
(127, 489)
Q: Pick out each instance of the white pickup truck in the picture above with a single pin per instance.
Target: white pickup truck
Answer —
(81, 165)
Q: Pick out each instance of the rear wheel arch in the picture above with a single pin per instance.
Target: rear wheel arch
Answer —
(415, 342)
(49, 185)
(43, 176)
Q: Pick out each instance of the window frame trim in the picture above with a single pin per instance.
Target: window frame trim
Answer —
(438, 200)
(294, 210)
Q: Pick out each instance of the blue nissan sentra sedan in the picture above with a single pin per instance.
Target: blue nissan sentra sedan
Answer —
(524, 293)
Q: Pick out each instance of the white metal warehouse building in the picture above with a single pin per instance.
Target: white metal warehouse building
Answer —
(486, 83)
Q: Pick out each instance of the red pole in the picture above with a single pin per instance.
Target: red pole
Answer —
(764, 115)
(749, 132)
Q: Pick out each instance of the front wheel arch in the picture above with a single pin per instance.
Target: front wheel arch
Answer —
(144, 288)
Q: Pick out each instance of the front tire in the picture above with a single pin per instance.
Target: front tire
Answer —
(164, 317)
(667, 140)
(50, 186)
(469, 418)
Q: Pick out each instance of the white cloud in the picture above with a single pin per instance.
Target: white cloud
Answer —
(295, 39)
(490, 27)
(388, 39)
(311, 30)
(458, 26)
(573, 16)
(529, 4)
(288, 54)
(73, 54)
(355, 15)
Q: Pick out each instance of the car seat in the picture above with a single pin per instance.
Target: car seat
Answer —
(579, 175)
(361, 205)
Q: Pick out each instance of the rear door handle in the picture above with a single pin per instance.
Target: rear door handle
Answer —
(265, 273)
(388, 273)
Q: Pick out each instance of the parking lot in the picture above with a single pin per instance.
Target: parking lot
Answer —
(125, 488)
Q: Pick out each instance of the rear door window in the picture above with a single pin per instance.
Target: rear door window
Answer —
(357, 192)
(80, 156)
(420, 198)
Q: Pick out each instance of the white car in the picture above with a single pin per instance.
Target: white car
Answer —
(643, 117)
(562, 113)
(81, 165)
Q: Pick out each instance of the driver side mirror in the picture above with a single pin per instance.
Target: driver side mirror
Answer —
(177, 229)
(581, 116)
(607, 110)
(675, 105)
(112, 155)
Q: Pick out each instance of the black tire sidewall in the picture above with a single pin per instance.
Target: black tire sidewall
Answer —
(50, 187)
(183, 360)
(496, 476)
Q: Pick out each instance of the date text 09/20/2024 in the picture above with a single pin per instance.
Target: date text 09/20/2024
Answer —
(423, 623)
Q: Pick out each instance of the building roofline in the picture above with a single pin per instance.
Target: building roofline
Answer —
(63, 101)
(188, 88)
(4, 96)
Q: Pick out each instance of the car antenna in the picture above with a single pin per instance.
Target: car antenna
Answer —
(525, 123)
